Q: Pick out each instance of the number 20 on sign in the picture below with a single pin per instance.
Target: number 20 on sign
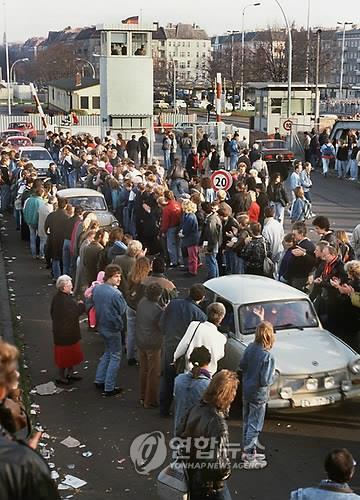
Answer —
(221, 179)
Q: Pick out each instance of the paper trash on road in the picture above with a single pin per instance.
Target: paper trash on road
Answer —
(54, 475)
(87, 454)
(73, 481)
(63, 487)
(47, 389)
(70, 442)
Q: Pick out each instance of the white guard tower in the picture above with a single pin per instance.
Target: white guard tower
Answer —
(126, 79)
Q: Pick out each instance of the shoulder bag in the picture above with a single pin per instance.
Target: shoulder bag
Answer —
(180, 363)
(173, 482)
(268, 266)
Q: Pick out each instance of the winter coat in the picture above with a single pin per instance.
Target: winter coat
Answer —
(65, 312)
(212, 233)
(54, 225)
(147, 333)
(190, 230)
(31, 210)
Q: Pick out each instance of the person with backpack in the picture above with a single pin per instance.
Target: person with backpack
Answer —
(185, 146)
(327, 152)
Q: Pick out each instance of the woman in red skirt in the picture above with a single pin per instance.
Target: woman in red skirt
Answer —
(65, 312)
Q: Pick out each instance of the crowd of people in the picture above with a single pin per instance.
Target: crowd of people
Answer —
(170, 216)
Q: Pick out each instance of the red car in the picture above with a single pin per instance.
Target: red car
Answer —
(27, 127)
(18, 141)
(5, 134)
(277, 156)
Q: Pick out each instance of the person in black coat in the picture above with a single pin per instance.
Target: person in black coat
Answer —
(204, 145)
(65, 312)
(133, 149)
(144, 148)
(214, 159)
(23, 472)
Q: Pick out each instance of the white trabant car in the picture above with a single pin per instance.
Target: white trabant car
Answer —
(313, 367)
(92, 201)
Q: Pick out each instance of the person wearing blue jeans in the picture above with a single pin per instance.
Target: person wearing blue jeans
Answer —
(66, 257)
(33, 236)
(212, 265)
(173, 245)
(110, 308)
(258, 368)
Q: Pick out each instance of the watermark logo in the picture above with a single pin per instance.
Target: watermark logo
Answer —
(148, 452)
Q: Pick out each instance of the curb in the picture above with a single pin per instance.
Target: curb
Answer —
(6, 324)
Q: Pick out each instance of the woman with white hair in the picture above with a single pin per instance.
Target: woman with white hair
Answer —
(65, 312)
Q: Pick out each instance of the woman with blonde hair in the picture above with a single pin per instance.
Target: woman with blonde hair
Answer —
(346, 251)
(135, 292)
(258, 369)
(189, 234)
(206, 422)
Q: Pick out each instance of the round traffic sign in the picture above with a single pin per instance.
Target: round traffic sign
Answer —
(221, 179)
(288, 125)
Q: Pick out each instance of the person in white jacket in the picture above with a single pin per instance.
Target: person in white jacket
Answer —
(44, 210)
(273, 232)
(355, 241)
(204, 334)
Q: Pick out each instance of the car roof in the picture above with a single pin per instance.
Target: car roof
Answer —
(270, 140)
(32, 148)
(72, 192)
(22, 137)
(246, 289)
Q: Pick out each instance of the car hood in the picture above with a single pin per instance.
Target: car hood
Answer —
(41, 164)
(105, 218)
(312, 350)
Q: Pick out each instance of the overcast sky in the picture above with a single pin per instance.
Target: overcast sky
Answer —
(26, 18)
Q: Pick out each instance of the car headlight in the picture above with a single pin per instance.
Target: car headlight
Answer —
(346, 385)
(286, 392)
(354, 366)
(329, 382)
(312, 384)
(114, 223)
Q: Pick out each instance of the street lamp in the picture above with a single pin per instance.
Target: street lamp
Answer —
(24, 59)
(232, 33)
(344, 24)
(243, 51)
(90, 64)
(290, 58)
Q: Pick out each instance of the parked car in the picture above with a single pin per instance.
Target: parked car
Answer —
(19, 141)
(5, 134)
(180, 103)
(161, 104)
(92, 200)
(38, 156)
(28, 128)
(277, 156)
(313, 367)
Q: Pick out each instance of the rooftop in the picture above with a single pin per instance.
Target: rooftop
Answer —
(180, 31)
(70, 83)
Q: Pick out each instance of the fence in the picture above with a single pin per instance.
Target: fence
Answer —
(56, 120)
(348, 108)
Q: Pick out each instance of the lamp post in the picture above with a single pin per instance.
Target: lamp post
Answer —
(90, 64)
(232, 33)
(344, 24)
(6, 43)
(10, 80)
(307, 44)
(317, 71)
(243, 51)
(289, 59)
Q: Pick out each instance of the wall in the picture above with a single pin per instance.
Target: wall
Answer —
(89, 92)
(59, 99)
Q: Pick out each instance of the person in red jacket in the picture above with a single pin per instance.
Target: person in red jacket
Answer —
(254, 209)
(170, 226)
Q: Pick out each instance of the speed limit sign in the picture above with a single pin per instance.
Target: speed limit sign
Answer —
(288, 125)
(221, 179)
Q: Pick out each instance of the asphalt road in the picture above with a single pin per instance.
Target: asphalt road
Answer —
(296, 443)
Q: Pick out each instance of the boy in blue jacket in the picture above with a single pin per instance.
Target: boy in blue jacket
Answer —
(258, 368)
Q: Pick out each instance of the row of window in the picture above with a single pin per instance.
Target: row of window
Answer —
(183, 54)
(84, 102)
(183, 44)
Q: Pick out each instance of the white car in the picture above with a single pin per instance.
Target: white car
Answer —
(313, 367)
(161, 104)
(92, 201)
(39, 157)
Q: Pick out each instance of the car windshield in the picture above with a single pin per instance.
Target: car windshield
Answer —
(18, 125)
(88, 202)
(19, 141)
(10, 133)
(281, 314)
(36, 154)
(274, 145)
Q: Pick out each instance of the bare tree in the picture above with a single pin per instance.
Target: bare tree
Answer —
(53, 63)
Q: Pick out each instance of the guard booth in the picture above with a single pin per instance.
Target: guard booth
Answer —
(271, 99)
(126, 79)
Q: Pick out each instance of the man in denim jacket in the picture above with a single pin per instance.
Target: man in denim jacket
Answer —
(340, 467)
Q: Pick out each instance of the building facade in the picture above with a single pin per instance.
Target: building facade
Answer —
(185, 47)
(81, 95)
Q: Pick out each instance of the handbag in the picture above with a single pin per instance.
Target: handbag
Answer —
(173, 482)
(268, 265)
(180, 362)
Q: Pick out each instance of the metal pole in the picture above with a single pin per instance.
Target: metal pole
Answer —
(242, 59)
(307, 45)
(7, 60)
(342, 62)
(174, 87)
(290, 58)
(232, 71)
(317, 71)
(218, 97)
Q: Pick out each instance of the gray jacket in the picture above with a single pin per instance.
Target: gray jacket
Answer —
(147, 334)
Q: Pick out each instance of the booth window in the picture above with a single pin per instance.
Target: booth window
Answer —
(84, 102)
(139, 44)
(96, 102)
(276, 106)
(119, 44)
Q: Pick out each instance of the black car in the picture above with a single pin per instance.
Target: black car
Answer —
(277, 156)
